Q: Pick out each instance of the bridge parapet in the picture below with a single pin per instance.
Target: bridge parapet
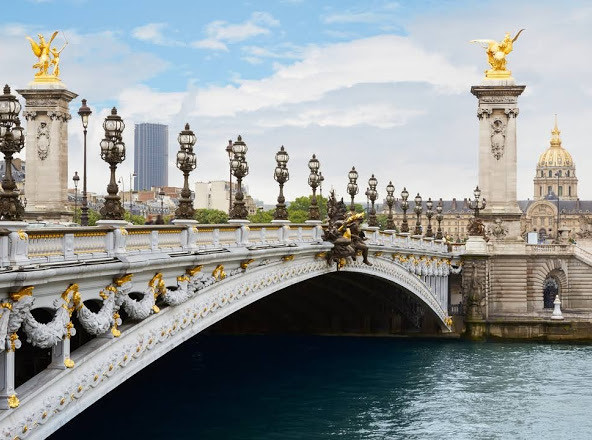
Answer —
(54, 245)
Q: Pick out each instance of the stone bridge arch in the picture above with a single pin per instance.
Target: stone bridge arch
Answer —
(55, 396)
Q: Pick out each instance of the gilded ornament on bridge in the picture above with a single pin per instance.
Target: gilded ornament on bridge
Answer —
(48, 58)
(496, 55)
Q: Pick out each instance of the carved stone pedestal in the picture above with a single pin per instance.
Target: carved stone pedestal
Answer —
(46, 143)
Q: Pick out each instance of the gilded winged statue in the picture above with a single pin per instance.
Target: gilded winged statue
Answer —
(44, 53)
(496, 54)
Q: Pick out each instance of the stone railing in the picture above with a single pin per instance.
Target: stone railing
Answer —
(549, 249)
(405, 241)
(54, 245)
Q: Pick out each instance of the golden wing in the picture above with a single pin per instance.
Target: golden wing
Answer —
(52, 37)
(35, 47)
(516, 37)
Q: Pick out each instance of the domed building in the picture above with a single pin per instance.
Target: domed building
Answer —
(556, 171)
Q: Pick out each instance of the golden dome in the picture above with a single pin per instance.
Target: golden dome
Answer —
(556, 155)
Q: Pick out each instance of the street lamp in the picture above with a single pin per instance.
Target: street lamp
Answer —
(439, 218)
(390, 199)
(372, 195)
(84, 113)
(161, 198)
(352, 187)
(404, 207)
(76, 179)
(121, 181)
(240, 169)
(418, 210)
(314, 180)
(476, 205)
(558, 175)
(229, 151)
(429, 214)
(132, 175)
(113, 152)
(186, 162)
(11, 141)
(281, 176)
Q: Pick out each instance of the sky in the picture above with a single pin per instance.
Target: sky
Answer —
(382, 85)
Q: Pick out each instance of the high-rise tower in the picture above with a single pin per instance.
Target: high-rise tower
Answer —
(151, 154)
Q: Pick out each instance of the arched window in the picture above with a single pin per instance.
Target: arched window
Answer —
(567, 173)
(541, 191)
(549, 189)
(569, 190)
(550, 173)
(550, 291)
(559, 173)
(560, 191)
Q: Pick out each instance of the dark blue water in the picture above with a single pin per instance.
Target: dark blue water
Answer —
(285, 387)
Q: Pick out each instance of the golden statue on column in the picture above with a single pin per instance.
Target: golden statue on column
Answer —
(496, 55)
(47, 58)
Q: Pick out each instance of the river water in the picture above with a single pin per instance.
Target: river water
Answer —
(314, 387)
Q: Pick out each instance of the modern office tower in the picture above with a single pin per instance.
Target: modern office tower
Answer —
(151, 154)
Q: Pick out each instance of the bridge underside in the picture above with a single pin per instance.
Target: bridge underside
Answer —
(338, 303)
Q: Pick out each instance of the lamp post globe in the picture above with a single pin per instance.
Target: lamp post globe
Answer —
(186, 162)
(12, 141)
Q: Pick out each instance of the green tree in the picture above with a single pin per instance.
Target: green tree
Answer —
(299, 208)
(134, 219)
(262, 216)
(210, 216)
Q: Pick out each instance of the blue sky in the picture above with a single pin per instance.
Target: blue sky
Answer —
(380, 84)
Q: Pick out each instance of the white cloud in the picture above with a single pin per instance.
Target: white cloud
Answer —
(220, 33)
(154, 33)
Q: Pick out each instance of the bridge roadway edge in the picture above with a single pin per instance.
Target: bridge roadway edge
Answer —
(110, 359)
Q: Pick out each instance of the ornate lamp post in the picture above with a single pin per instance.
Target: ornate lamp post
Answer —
(439, 218)
(429, 215)
(240, 169)
(229, 152)
(476, 205)
(418, 210)
(352, 187)
(11, 141)
(314, 180)
(84, 113)
(76, 179)
(161, 195)
(186, 162)
(404, 207)
(372, 195)
(281, 176)
(390, 200)
(113, 152)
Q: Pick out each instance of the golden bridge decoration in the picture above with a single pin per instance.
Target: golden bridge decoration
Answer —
(496, 55)
(48, 58)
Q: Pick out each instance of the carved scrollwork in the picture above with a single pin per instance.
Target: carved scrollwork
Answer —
(498, 138)
(511, 112)
(483, 112)
(43, 140)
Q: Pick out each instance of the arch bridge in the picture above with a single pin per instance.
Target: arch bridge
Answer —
(136, 293)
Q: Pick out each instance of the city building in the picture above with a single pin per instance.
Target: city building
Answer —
(151, 154)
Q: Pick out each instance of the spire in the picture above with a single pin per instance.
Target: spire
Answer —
(555, 139)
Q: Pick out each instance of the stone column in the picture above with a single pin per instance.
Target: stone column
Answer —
(46, 144)
(497, 112)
